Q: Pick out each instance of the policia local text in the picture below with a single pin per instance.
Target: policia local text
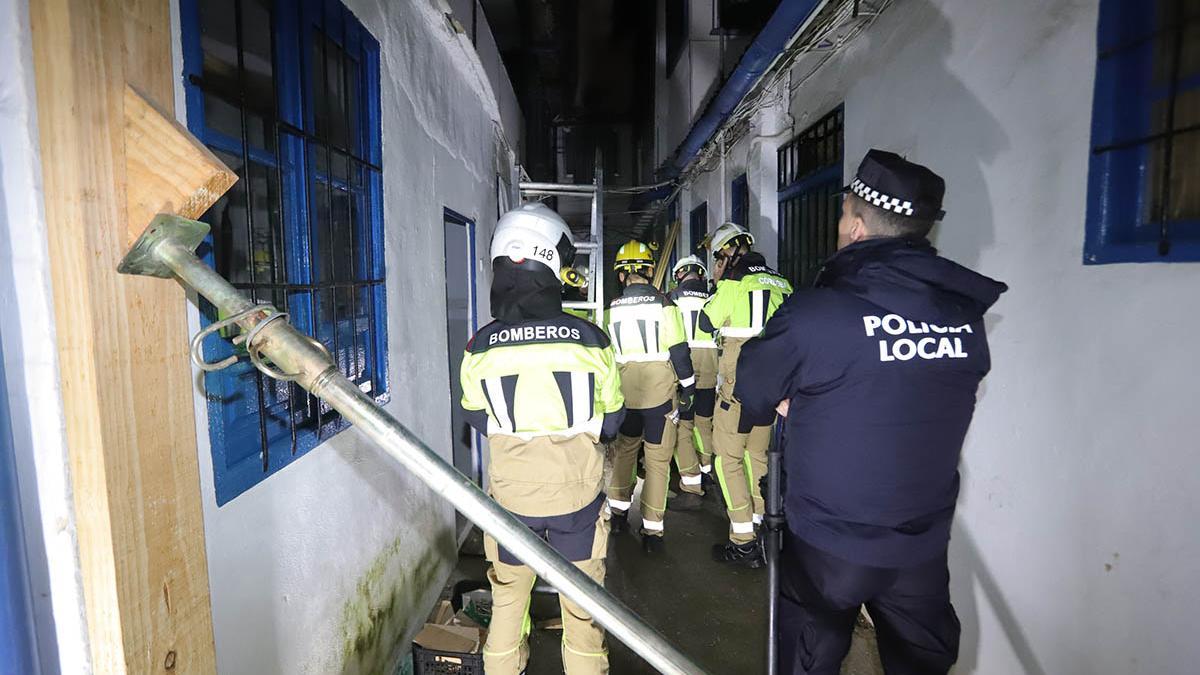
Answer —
(905, 349)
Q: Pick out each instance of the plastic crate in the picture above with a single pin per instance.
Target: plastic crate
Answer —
(438, 662)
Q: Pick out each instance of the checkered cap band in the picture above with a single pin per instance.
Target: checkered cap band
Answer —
(877, 198)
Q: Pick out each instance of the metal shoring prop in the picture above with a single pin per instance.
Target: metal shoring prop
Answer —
(167, 249)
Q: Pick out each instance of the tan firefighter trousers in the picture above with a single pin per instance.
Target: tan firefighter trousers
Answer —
(694, 444)
(741, 451)
(656, 428)
(507, 649)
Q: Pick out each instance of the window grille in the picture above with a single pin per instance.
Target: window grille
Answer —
(809, 181)
(1143, 192)
(287, 95)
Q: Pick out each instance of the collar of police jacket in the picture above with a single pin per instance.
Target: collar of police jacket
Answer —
(908, 277)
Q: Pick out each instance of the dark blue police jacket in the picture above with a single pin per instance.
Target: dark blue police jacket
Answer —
(880, 362)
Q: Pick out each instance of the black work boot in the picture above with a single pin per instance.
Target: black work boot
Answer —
(652, 545)
(618, 522)
(746, 555)
(685, 501)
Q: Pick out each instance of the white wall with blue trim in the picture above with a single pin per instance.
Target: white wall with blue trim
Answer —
(1073, 548)
(331, 563)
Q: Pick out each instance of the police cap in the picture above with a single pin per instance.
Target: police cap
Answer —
(890, 182)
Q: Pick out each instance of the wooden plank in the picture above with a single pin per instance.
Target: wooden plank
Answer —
(167, 169)
(127, 388)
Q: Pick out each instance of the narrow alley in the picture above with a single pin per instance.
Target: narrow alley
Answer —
(301, 297)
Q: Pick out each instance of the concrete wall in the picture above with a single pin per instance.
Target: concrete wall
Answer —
(1073, 551)
(330, 564)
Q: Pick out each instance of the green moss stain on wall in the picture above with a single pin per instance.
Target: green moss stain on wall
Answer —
(388, 600)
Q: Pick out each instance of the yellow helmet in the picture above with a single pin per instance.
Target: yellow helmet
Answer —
(633, 255)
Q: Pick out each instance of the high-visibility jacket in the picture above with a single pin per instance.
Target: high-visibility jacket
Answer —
(746, 298)
(650, 345)
(549, 388)
(690, 297)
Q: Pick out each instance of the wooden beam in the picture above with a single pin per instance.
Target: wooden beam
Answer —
(122, 341)
(167, 169)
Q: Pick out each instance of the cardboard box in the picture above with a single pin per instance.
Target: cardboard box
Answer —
(450, 638)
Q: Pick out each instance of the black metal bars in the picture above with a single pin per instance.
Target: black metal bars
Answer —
(808, 179)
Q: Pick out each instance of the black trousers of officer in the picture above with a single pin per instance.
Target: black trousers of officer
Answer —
(820, 595)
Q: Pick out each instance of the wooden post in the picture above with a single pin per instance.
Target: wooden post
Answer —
(122, 341)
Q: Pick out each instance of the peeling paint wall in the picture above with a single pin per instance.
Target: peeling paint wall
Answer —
(332, 564)
(1073, 550)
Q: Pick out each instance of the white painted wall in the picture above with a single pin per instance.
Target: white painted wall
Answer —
(470, 14)
(342, 542)
(31, 362)
(1074, 550)
(678, 98)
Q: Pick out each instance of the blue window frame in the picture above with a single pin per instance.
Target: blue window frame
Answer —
(739, 193)
(698, 227)
(1143, 203)
(810, 203)
(288, 96)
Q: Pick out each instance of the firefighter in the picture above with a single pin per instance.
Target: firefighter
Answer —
(658, 385)
(694, 446)
(543, 385)
(748, 293)
(876, 369)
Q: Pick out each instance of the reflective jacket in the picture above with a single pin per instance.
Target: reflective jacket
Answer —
(880, 363)
(545, 391)
(746, 297)
(650, 345)
(690, 297)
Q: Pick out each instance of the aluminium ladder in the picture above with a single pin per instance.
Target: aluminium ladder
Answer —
(593, 247)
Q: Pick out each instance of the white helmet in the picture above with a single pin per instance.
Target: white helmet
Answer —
(725, 234)
(690, 261)
(533, 231)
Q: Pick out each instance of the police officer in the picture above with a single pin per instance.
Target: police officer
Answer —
(694, 446)
(876, 369)
(543, 386)
(748, 293)
(656, 370)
